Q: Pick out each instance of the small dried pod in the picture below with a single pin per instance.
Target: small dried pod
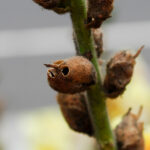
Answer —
(119, 72)
(72, 75)
(75, 112)
(98, 42)
(129, 133)
(98, 39)
(56, 5)
(98, 11)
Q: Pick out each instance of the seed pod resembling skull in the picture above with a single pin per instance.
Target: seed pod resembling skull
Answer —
(72, 75)
(119, 72)
(55, 5)
(129, 133)
(98, 11)
(75, 112)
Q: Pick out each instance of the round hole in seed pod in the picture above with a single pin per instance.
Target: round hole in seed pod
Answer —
(65, 71)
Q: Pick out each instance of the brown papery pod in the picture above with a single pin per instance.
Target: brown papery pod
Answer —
(98, 39)
(129, 133)
(98, 11)
(55, 5)
(98, 43)
(119, 72)
(72, 75)
(75, 112)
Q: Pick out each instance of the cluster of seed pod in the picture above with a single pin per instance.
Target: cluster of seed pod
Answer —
(55, 5)
(77, 74)
(129, 133)
(98, 11)
(119, 72)
(70, 77)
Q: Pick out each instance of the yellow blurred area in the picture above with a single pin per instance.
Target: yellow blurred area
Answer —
(147, 137)
(147, 141)
(45, 147)
(46, 129)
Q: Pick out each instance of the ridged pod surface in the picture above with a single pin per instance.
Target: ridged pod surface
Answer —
(98, 11)
(129, 133)
(55, 5)
(72, 75)
(119, 73)
(75, 112)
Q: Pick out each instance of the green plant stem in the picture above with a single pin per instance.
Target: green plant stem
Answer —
(96, 98)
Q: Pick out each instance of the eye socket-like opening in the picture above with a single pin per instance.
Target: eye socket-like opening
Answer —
(65, 71)
(51, 74)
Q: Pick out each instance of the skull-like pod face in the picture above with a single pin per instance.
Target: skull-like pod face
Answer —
(72, 75)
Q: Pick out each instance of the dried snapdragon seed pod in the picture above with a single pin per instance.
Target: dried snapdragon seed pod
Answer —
(129, 132)
(98, 39)
(72, 75)
(98, 11)
(119, 72)
(75, 112)
(56, 5)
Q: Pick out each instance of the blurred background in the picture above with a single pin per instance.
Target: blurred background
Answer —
(31, 36)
